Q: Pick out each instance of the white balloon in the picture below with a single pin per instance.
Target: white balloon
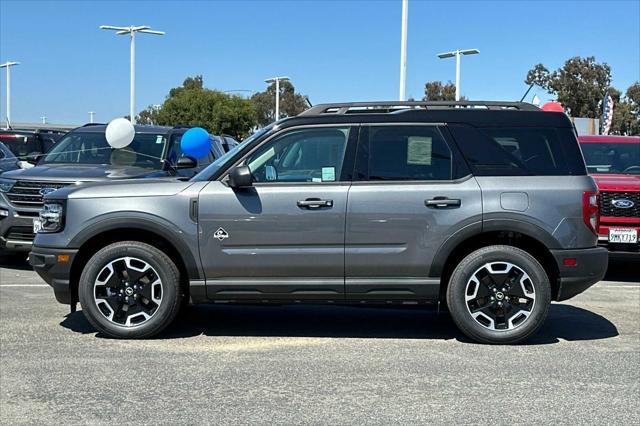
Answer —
(120, 133)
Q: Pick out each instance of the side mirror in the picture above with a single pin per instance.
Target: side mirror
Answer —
(240, 177)
(186, 163)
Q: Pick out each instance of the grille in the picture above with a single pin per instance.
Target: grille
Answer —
(20, 233)
(609, 210)
(27, 193)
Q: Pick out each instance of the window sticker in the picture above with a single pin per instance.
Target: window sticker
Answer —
(419, 150)
(159, 139)
(328, 174)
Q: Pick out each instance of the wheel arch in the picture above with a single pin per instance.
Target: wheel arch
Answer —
(158, 235)
(472, 238)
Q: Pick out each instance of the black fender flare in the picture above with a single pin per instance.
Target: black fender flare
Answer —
(486, 226)
(146, 222)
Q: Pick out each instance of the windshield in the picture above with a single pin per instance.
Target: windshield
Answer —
(616, 158)
(92, 148)
(214, 167)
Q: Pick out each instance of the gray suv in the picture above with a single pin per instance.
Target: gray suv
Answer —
(483, 206)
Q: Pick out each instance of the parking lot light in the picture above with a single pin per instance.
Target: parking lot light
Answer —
(131, 31)
(277, 80)
(457, 54)
(8, 66)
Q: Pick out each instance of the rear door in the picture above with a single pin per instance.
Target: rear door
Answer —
(411, 192)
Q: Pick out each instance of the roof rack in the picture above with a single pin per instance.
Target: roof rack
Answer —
(399, 106)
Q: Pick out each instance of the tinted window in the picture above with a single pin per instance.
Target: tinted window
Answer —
(612, 157)
(21, 144)
(309, 155)
(514, 151)
(405, 153)
(92, 148)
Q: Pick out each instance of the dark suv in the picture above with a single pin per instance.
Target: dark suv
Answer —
(484, 206)
(84, 155)
(30, 143)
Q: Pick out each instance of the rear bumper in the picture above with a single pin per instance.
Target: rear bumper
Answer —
(590, 267)
(56, 274)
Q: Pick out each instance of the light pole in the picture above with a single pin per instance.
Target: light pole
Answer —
(8, 66)
(44, 119)
(403, 50)
(277, 80)
(131, 30)
(457, 54)
(91, 114)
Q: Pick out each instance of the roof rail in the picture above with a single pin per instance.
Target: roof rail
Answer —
(397, 106)
(92, 124)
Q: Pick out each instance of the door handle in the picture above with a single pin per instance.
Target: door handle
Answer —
(314, 203)
(442, 202)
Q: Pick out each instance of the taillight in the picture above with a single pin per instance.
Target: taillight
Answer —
(591, 210)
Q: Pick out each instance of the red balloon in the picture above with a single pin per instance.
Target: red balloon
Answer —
(553, 106)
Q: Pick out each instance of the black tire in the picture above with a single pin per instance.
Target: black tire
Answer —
(461, 312)
(167, 272)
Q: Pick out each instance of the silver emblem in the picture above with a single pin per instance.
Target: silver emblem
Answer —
(45, 191)
(622, 203)
(128, 291)
(220, 234)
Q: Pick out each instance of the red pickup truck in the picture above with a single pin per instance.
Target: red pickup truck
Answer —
(614, 163)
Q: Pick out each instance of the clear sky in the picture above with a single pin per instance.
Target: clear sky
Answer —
(332, 50)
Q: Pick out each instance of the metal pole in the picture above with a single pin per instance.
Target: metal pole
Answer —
(132, 106)
(403, 50)
(277, 99)
(457, 75)
(91, 113)
(8, 96)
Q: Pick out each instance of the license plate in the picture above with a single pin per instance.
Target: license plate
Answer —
(37, 225)
(624, 236)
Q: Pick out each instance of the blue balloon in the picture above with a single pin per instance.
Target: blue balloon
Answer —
(195, 143)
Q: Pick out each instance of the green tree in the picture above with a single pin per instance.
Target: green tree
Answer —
(580, 85)
(291, 103)
(438, 91)
(626, 111)
(194, 105)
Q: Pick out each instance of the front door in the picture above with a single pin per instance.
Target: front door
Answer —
(411, 192)
(283, 238)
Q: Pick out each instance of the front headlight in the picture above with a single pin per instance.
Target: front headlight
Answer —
(51, 217)
(6, 184)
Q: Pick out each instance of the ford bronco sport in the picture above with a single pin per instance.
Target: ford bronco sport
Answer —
(484, 206)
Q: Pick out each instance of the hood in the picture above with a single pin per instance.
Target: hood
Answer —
(123, 188)
(80, 173)
(617, 182)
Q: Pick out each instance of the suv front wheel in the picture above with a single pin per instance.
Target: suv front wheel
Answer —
(499, 294)
(130, 289)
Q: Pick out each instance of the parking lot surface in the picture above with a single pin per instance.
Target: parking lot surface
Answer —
(321, 365)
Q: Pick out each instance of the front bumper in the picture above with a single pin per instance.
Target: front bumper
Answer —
(16, 227)
(46, 262)
(590, 267)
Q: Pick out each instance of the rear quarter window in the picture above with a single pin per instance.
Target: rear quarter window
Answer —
(520, 151)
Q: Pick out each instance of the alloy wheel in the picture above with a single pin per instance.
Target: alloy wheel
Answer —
(128, 291)
(500, 296)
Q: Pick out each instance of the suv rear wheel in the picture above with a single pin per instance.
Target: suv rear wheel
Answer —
(130, 290)
(499, 294)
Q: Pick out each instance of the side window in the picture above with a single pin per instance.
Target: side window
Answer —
(513, 151)
(306, 155)
(405, 153)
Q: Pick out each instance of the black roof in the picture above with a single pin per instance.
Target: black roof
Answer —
(476, 113)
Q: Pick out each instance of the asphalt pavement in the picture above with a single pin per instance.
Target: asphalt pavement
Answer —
(319, 364)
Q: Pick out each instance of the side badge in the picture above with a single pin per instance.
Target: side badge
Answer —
(221, 234)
